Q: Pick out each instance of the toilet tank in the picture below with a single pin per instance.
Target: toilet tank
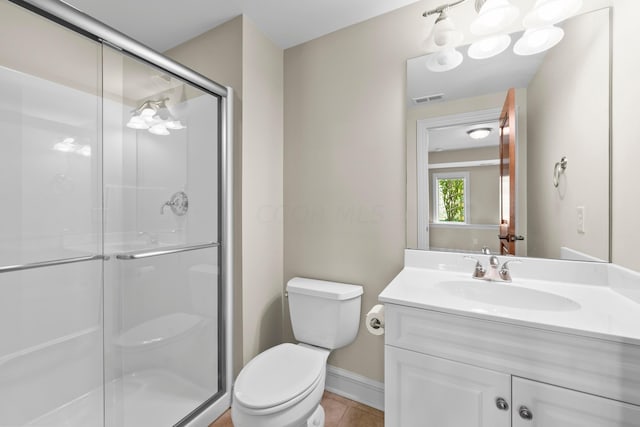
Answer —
(324, 314)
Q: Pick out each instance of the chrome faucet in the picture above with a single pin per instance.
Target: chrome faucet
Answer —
(494, 272)
(504, 273)
(478, 271)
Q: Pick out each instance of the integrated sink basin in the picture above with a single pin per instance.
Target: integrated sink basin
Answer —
(507, 295)
(588, 299)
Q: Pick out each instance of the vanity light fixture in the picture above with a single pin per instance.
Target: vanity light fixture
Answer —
(155, 117)
(549, 12)
(444, 60)
(444, 34)
(479, 133)
(69, 145)
(489, 46)
(493, 16)
(443, 39)
(536, 40)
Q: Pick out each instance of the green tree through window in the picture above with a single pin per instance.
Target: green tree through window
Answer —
(451, 199)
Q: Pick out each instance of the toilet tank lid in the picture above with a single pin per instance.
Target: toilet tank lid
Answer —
(323, 289)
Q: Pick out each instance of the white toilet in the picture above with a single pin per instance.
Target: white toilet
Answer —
(283, 386)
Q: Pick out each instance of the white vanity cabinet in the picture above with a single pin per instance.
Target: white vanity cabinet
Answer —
(422, 390)
(551, 406)
(447, 370)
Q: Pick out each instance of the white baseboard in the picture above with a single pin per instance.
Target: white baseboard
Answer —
(355, 387)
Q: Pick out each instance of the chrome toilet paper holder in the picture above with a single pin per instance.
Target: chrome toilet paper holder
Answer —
(375, 323)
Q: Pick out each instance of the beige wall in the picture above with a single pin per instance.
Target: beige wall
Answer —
(465, 155)
(238, 55)
(344, 157)
(626, 149)
(70, 60)
(464, 239)
(568, 115)
(262, 191)
(344, 163)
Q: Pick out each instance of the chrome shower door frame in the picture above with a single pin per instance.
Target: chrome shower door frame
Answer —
(84, 24)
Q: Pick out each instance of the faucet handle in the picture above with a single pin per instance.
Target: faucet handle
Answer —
(485, 250)
(478, 271)
(504, 272)
(179, 204)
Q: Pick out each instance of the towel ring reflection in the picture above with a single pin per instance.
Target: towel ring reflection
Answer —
(559, 168)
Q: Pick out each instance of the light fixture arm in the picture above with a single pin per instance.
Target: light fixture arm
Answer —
(479, 4)
(150, 103)
(441, 9)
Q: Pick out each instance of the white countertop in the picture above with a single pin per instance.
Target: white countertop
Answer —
(597, 311)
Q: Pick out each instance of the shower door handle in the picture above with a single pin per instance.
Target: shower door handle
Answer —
(29, 266)
(167, 251)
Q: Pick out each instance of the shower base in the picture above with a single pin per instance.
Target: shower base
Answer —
(151, 398)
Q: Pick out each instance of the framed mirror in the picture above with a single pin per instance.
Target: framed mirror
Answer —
(558, 170)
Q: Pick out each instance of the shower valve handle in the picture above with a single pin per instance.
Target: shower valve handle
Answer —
(179, 204)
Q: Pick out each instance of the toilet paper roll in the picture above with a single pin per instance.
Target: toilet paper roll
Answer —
(375, 320)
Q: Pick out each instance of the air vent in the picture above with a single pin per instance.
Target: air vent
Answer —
(428, 98)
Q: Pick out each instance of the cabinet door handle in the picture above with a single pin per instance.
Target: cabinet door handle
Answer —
(502, 404)
(525, 413)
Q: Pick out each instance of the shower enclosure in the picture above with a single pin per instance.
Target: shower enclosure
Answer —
(115, 254)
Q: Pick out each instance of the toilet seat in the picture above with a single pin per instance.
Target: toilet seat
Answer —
(279, 378)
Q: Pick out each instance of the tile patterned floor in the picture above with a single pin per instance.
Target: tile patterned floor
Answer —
(339, 412)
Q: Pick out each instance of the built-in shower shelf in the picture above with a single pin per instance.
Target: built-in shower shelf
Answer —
(36, 349)
(160, 329)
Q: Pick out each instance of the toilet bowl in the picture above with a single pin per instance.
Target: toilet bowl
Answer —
(283, 386)
(280, 387)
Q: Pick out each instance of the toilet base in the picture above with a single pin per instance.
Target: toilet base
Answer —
(317, 418)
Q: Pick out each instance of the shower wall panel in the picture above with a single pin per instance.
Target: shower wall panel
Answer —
(50, 184)
(110, 258)
(161, 310)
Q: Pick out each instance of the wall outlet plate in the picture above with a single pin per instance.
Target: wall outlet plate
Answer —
(580, 219)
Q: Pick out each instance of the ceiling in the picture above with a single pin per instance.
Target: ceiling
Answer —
(472, 77)
(456, 138)
(163, 24)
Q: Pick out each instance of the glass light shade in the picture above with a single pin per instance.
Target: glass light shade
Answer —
(494, 16)
(137, 122)
(159, 129)
(147, 112)
(444, 60)
(489, 46)
(85, 151)
(480, 133)
(64, 146)
(538, 40)
(549, 12)
(163, 113)
(174, 125)
(444, 34)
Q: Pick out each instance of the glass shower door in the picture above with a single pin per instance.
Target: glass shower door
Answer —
(50, 224)
(161, 221)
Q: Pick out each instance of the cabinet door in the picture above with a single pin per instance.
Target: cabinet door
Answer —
(428, 391)
(551, 406)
